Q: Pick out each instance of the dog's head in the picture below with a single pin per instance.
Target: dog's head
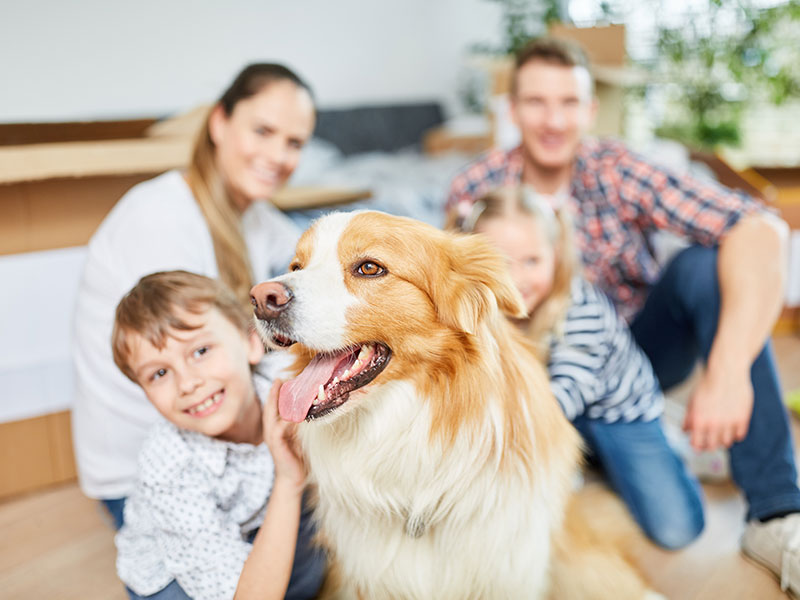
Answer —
(369, 295)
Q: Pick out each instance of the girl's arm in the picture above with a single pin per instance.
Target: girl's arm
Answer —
(266, 572)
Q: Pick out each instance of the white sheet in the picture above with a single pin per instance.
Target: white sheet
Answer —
(39, 290)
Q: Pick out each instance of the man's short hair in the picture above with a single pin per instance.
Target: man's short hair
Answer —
(553, 51)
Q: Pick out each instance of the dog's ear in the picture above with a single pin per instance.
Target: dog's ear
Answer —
(475, 284)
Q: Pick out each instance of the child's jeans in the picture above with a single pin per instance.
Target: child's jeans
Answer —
(115, 508)
(661, 494)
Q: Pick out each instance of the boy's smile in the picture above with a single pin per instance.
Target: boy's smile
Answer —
(207, 406)
(200, 380)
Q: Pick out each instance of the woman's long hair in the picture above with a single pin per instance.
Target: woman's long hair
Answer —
(547, 319)
(208, 186)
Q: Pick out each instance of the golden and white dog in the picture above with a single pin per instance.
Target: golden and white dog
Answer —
(442, 463)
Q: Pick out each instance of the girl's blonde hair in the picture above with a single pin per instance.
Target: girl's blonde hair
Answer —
(208, 186)
(508, 203)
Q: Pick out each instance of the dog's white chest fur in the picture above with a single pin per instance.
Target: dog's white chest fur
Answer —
(408, 520)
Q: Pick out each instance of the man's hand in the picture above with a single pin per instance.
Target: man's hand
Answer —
(719, 409)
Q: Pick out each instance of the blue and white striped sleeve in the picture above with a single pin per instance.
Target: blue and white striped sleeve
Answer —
(578, 357)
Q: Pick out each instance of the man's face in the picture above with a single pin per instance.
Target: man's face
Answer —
(553, 108)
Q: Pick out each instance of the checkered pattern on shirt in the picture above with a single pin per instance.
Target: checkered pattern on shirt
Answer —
(618, 200)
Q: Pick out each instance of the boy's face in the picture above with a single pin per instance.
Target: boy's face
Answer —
(553, 108)
(201, 379)
(531, 257)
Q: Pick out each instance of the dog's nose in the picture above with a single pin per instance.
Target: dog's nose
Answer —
(269, 299)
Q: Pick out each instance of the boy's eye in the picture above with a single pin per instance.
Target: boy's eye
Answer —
(158, 374)
(201, 350)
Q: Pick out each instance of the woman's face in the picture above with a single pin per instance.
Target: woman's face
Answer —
(531, 257)
(258, 146)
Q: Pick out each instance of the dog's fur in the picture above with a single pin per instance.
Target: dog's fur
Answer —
(448, 475)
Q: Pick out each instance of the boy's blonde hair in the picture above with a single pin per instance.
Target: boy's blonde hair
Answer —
(510, 202)
(151, 309)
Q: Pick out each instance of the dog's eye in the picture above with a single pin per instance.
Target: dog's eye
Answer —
(370, 269)
(295, 266)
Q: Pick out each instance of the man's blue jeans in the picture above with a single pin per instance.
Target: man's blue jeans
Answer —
(663, 497)
(676, 327)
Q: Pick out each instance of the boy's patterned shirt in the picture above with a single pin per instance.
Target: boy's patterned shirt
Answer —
(617, 201)
(197, 502)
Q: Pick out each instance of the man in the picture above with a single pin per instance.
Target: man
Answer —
(716, 300)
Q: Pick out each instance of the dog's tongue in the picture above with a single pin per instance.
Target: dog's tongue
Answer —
(297, 394)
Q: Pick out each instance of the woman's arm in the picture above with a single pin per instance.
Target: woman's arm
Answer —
(266, 572)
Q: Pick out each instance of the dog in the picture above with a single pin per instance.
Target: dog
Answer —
(442, 464)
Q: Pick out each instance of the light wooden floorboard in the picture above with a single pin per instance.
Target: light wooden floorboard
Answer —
(57, 544)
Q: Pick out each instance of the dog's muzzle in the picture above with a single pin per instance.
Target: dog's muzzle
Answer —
(270, 299)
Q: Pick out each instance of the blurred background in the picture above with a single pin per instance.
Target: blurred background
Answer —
(98, 95)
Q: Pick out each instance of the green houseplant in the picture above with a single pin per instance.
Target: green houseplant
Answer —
(722, 61)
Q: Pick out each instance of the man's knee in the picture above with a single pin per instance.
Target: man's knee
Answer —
(695, 265)
(693, 276)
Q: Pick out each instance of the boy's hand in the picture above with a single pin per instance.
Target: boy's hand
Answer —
(279, 436)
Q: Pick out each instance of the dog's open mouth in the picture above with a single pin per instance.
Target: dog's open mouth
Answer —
(325, 384)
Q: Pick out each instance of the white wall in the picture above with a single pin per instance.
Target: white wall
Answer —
(90, 59)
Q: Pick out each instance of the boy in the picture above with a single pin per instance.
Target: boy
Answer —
(215, 512)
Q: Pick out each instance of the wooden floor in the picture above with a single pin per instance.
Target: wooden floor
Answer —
(56, 544)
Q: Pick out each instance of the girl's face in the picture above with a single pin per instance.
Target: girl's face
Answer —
(258, 146)
(531, 256)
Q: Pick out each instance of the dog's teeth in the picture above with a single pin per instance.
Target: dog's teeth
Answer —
(335, 380)
(320, 396)
(364, 352)
(346, 374)
(357, 364)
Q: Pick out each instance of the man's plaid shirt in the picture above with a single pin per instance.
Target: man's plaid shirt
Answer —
(617, 201)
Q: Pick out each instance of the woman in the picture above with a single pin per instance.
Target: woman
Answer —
(214, 219)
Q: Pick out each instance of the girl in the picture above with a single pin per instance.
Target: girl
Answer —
(214, 219)
(601, 378)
